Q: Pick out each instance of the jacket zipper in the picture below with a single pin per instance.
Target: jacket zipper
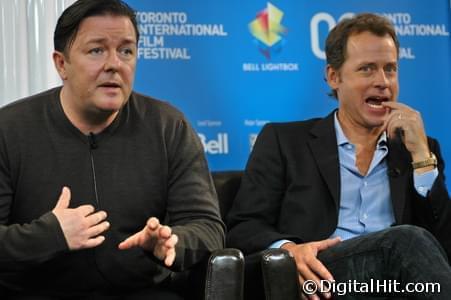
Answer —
(92, 147)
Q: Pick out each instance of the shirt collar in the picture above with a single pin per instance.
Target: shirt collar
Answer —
(343, 140)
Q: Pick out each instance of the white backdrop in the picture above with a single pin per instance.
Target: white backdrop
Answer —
(26, 46)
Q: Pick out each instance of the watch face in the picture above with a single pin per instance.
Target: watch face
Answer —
(433, 159)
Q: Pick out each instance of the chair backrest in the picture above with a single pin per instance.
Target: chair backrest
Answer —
(227, 184)
(225, 279)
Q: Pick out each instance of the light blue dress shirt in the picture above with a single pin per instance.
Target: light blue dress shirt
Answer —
(365, 203)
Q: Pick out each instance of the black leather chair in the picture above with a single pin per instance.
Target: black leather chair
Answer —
(227, 184)
(221, 277)
(224, 278)
(225, 275)
(224, 270)
(270, 274)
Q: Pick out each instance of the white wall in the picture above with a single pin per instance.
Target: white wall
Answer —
(26, 46)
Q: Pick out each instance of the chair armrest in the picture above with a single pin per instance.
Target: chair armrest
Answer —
(225, 275)
(280, 277)
(271, 274)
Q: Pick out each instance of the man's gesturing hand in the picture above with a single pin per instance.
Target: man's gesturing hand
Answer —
(155, 238)
(308, 265)
(81, 226)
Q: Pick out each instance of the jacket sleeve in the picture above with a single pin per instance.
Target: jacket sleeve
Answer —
(254, 215)
(434, 211)
(23, 245)
(192, 204)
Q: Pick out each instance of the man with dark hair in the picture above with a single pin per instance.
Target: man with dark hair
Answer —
(358, 195)
(90, 172)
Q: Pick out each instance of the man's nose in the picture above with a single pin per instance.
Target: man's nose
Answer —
(381, 80)
(112, 62)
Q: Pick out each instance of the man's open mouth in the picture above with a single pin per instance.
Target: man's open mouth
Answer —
(376, 101)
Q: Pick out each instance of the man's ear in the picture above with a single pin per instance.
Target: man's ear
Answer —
(333, 77)
(60, 64)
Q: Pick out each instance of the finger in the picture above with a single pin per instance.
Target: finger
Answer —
(394, 127)
(330, 243)
(131, 241)
(305, 295)
(96, 218)
(93, 242)
(320, 272)
(98, 229)
(170, 257)
(171, 242)
(163, 245)
(86, 210)
(153, 223)
(164, 232)
(309, 294)
(393, 122)
(317, 267)
(313, 297)
(301, 281)
(401, 112)
(64, 199)
(324, 244)
(395, 105)
(307, 272)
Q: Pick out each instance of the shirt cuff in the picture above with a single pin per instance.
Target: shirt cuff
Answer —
(278, 244)
(423, 182)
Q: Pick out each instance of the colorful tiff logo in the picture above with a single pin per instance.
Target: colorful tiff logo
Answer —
(268, 30)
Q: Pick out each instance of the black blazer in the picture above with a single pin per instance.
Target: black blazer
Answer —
(291, 187)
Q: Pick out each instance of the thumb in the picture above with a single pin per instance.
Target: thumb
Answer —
(64, 199)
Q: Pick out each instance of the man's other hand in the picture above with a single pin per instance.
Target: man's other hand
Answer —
(155, 238)
(81, 226)
(308, 265)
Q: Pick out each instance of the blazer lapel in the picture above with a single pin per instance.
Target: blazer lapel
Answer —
(398, 162)
(323, 145)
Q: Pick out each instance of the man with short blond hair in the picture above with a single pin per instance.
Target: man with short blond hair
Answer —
(359, 194)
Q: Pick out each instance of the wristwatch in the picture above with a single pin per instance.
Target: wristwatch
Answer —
(431, 161)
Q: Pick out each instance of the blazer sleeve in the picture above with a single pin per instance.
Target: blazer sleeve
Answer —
(434, 211)
(253, 218)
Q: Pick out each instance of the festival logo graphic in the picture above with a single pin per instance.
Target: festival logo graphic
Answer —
(268, 30)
